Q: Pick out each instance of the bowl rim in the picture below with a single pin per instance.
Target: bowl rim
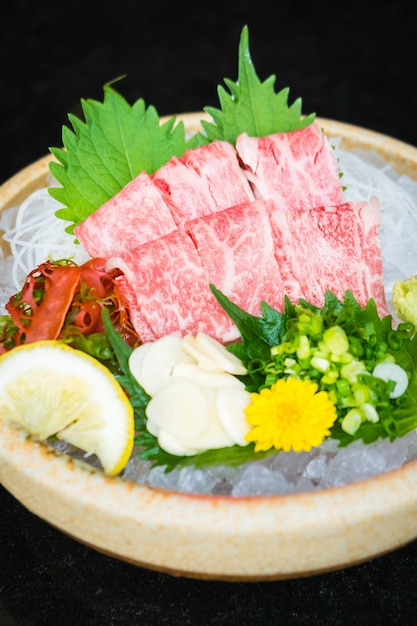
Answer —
(255, 532)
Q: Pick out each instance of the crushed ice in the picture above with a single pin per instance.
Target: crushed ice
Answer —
(284, 472)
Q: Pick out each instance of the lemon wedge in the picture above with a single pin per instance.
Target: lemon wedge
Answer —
(50, 389)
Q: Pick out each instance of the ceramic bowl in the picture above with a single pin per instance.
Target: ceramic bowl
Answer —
(214, 537)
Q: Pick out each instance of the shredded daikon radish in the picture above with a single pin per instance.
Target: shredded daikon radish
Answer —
(367, 174)
(39, 235)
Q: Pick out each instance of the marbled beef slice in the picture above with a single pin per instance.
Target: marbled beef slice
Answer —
(172, 289)
(236, 249)
(297, 170)
(334, 248)
(204, 180)
(138, 213)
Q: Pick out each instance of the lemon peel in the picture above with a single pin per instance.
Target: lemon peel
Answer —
(50, 389)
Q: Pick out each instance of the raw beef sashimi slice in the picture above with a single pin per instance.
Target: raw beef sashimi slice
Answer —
(335, 248)
(283, 249)
(172, 290)
(204, 180)
(138, 321)
(137, 214)
(298, 169)
(236, 249)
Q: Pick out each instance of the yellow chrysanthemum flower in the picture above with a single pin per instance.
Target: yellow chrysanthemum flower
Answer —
(291, 415)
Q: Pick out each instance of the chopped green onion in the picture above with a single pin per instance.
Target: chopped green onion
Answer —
(343, 387)
(355, 347)
(370, 412)
(361, 393)
(336, 340)
(351, 371)
(320, 364)
(392, 373)
(303, 350)
(330, 377)
(406, 328)
(256, 365)
(352, 421)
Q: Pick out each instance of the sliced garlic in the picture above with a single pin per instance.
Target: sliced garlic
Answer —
(197, 402)
(216, 435)
(179, 407)
(136, 361)
(206, 378)
(212, 354)
(231, 404)
(152, 363)
(172, 444)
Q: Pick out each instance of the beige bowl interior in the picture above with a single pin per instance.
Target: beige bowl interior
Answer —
(212, 537)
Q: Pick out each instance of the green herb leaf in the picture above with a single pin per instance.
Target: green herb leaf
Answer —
(258, 334)
(252, 106)
(137, 395)
(106, 151)
(231, 456)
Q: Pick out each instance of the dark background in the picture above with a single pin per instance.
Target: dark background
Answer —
(352, 61)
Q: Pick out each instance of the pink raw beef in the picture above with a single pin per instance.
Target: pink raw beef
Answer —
(204, 180)
(172, 289)
(138, 321)
(332, 247)
(138, 213)
(298, 169)
(236, 250)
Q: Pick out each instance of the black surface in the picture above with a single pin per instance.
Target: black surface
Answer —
(355, 62)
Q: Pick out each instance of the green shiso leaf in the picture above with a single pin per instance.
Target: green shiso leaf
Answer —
(232, 456)
(112, 146)
(258, 334)
(252, 106)
(137, 395)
